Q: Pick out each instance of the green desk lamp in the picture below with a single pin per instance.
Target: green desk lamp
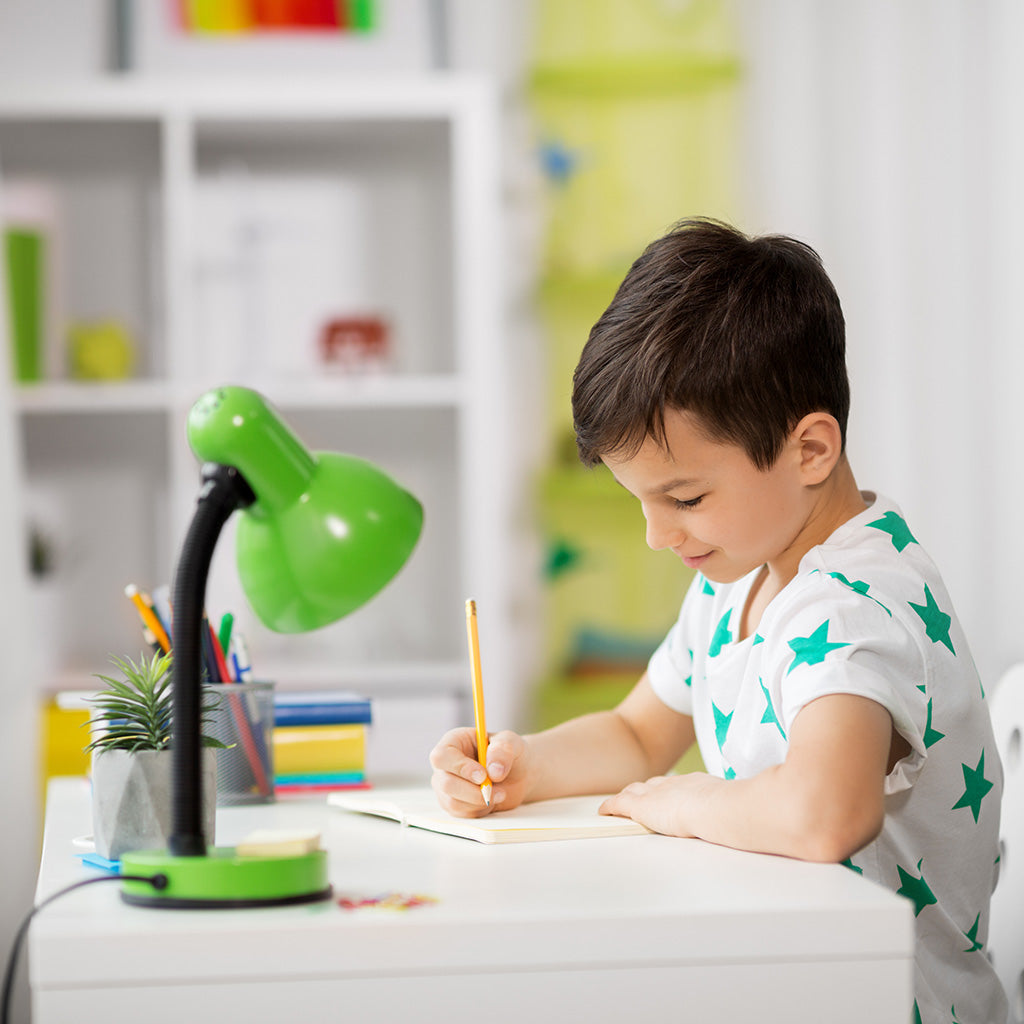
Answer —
(319, 535)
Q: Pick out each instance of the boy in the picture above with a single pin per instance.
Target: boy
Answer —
(816, 659)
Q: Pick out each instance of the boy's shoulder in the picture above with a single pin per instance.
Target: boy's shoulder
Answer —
(876, 547)
(874, 575)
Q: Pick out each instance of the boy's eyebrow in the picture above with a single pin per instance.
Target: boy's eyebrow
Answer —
(664, 488)
(673, 484)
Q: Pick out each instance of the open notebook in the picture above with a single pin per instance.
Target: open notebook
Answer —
(573, 817)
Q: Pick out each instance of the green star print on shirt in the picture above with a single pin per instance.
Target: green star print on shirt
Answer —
(936, 621)
(976, 787)
(813, 649)
(769, 717)
(722, 637)
(895, 525)
(915, 889)
(931, 734)
(722, 723)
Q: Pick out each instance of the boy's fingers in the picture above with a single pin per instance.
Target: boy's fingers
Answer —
(469, 769)
(613, 805)
(503, 750)
(622, 802)
(459, 797)
(453, 750)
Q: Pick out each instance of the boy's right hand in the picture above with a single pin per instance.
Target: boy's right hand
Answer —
(458, 775)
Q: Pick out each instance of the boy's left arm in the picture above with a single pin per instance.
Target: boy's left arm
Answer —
(823, 803)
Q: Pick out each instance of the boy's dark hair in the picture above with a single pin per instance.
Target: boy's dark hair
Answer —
(747, 333)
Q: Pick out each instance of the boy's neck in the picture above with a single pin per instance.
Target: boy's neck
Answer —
(835, 502)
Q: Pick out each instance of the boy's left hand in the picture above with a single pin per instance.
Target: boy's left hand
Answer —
(661, 803)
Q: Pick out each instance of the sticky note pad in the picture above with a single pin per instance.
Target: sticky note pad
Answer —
(273, 842)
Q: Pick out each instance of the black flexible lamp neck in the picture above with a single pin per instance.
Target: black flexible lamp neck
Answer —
(224, 491)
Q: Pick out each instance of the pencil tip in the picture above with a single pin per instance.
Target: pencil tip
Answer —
(485, 789)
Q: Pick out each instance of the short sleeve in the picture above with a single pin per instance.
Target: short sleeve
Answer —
(670, 669)
(834, 639)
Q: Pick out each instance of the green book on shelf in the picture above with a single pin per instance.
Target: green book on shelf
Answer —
(24, 255)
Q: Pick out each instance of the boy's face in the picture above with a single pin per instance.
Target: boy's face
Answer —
(709, 504)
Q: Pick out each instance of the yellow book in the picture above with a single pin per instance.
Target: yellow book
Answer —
(306, 749)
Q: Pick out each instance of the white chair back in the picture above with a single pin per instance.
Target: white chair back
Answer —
(1006, 929)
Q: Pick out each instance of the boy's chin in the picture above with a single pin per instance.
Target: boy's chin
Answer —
(726, 574)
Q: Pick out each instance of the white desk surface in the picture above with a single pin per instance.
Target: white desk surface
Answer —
(592, 929)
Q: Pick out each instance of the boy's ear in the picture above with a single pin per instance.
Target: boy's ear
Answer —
(820, 444)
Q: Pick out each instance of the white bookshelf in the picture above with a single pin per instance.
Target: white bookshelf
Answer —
(405, 172)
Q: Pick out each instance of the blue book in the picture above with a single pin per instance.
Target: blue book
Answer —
(321, 707)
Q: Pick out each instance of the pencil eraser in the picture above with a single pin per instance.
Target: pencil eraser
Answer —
(275, 842)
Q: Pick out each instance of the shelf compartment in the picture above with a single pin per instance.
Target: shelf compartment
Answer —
(96, 489)
(300, 222)
(100, 182)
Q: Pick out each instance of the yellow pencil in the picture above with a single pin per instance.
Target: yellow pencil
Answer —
(478, 697)
(148, 616)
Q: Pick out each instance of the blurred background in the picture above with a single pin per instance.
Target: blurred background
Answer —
(175, 189)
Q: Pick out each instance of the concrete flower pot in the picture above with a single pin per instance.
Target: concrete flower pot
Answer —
(131, 799)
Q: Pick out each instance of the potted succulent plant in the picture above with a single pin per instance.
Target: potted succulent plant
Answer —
(131, 758)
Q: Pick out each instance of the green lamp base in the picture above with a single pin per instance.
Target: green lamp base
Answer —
(223, 880)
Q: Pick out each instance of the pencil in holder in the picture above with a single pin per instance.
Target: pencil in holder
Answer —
(243, 720)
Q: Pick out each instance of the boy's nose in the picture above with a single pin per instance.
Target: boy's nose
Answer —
(661, 532)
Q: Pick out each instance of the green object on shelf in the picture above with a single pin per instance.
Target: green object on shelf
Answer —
(100, 350)
(24, 253)
(362, 15)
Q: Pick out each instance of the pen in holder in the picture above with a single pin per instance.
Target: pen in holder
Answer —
(243, 720)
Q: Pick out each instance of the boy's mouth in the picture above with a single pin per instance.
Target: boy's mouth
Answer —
(695, 561)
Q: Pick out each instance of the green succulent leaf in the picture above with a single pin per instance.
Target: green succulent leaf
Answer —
(133, 712)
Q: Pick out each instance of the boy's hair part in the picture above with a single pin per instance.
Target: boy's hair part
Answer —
(745, 332)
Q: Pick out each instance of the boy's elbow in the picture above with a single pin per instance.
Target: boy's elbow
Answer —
(833, 834)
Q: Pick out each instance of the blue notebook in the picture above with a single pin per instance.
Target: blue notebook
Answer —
(321, 707)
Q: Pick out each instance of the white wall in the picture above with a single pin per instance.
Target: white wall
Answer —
(888, 136)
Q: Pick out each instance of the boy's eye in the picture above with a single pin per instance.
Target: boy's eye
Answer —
(690, 503)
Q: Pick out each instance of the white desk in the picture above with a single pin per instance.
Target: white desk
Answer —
(593, 929)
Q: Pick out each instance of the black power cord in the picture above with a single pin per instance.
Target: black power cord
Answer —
(159, 882)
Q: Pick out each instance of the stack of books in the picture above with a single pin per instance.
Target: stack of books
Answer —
(320, 741)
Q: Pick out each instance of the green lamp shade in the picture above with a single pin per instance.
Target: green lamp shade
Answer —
(326, 531)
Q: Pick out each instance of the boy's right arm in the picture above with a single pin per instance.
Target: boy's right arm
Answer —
(596, 753)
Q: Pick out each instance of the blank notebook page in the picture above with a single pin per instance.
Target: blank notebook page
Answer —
(573, 817)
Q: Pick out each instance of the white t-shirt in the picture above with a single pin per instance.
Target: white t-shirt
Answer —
(867, 613)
